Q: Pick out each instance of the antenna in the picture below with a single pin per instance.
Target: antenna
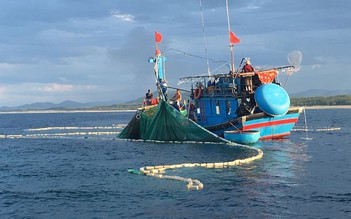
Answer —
(203, 31)
(231, 45)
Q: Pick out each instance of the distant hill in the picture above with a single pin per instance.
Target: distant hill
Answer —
(133, 104)
(68, 104)
(155, 94)
(321, 93)
(339, 100)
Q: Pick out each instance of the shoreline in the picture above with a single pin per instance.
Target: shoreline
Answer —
(64, 111)
(328, 107)
(134, 110)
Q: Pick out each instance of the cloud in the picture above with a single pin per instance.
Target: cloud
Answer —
(2, 90)
(91, 50)
(123, 17)
(60, 34)
(56, 88)
(316, 66)
(6, 67)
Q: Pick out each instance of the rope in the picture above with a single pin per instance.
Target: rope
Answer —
(196, 56)
(160, 170)
(309, 129)
(76, 127)
(56, 135)
(235, 127)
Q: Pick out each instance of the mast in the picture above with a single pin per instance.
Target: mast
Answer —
(204, 35)
(230, 43)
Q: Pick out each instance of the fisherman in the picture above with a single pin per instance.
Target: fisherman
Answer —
(210, 85)
(161, 82)
(155, 101)
(159, 65)
(248, 67)
(191, 112)
(163, 85)
(148, 97)
(177, 98)
(246, 80)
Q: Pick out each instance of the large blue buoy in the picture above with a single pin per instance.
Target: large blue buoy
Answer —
(272, 99)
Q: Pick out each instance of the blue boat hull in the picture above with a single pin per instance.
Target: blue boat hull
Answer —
(270, 127)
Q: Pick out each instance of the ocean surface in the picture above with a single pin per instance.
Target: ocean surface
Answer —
(71, 165)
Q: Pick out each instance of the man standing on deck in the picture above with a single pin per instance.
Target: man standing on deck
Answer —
(159, 70)
(177, 98)
(159, 65)
(246, 81)
(148, 97)
(248, 67)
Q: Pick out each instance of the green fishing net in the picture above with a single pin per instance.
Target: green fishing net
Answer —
(165, 123)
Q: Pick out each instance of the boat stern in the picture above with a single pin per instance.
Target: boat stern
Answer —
(272, 127)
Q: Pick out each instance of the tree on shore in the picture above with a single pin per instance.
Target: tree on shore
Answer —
(321, 101)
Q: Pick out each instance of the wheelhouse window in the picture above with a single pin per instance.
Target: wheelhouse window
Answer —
(217, 108)
(228, 107)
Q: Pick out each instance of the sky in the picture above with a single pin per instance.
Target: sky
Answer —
(97, 50)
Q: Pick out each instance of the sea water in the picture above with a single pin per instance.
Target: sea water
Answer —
(71, 165)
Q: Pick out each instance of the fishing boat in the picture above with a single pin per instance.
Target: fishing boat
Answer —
(228, 102)
(244, 100)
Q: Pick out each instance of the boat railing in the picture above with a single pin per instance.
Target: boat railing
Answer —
(238, 85)
(223, 85)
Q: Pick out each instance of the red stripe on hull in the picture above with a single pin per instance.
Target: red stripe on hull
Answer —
(270, 123)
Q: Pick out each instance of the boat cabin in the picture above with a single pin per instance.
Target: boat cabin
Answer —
(222, 97)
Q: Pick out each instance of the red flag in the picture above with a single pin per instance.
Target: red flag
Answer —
(232, 38)
(158, 37)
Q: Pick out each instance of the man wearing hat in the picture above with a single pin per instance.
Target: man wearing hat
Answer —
(248, 67)
(246, 81)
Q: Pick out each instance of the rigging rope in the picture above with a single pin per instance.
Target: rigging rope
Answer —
(197, 56)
